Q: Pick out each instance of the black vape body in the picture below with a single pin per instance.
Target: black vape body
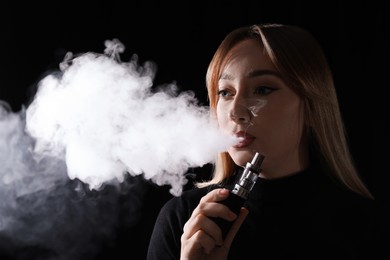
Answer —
(241, 189)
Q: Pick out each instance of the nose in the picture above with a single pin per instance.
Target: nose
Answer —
(240, 113)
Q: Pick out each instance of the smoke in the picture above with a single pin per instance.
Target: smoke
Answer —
(102, 116)
(94, 122)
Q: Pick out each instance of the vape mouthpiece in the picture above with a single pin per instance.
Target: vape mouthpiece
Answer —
(255, 164)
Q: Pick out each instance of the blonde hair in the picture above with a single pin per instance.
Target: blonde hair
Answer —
(297, 55)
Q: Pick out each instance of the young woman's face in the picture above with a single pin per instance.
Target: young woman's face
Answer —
(255, 104)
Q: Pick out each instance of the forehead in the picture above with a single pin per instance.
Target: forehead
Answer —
(246, 56)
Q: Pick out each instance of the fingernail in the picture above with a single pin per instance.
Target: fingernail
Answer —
(224, 192)
(232, 216)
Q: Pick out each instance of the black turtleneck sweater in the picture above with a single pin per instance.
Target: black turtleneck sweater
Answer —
(302, 216)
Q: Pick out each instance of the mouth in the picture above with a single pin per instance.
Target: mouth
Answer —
(245, 139)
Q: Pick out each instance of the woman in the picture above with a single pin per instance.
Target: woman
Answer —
(270, 85)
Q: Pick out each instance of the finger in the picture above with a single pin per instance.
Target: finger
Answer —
(215, 195)
(208, 208)
(209, 205)
(198, 244)
(235, 227)
(204, 223)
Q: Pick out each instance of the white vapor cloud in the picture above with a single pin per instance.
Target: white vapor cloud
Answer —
(96, 121)
(104, 118)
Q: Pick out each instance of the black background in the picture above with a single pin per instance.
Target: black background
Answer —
(181, 38)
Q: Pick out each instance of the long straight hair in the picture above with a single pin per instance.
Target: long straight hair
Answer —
(298, 56)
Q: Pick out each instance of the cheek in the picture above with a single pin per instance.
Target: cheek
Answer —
(280, 121)
(222, 116)
(292, 116)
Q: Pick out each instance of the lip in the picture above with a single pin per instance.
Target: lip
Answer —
(246, 139)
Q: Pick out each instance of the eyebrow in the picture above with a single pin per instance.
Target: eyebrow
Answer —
(253, 73)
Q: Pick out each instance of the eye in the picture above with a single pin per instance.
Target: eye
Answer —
(263, 90)
(224, 93)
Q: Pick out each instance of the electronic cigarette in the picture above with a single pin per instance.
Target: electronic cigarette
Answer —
(241, 190)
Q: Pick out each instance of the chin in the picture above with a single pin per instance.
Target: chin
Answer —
(240, 156)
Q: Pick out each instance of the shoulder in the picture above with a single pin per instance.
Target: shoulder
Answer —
(352, 219)
(181, 207)
(353, 212)
(177, 210)
(345, 200)
(187, 201)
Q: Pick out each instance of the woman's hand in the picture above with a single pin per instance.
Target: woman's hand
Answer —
(202, 237)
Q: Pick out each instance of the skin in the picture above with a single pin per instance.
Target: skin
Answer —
(258, 106)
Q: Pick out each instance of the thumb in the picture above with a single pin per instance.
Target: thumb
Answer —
(235, 227)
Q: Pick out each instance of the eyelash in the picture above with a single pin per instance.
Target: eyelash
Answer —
(222, 93)
(264, 90)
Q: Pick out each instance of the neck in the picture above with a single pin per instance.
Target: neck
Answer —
(287, 166)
